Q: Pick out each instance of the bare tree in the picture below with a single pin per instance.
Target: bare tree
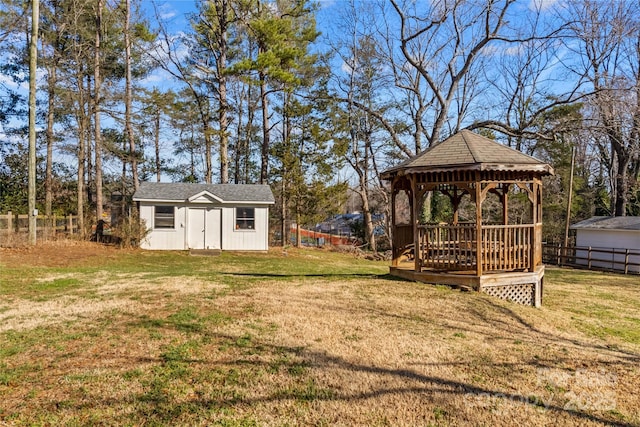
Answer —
(168, 55)
(359, 87)
(441, 43)
(212, 28)
(609, 48)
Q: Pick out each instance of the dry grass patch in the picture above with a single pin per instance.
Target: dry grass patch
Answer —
(273, 340)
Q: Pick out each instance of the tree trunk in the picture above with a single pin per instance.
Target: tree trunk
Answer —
(264, 165)
(48, 180)
(128, 97)
(247, 142)
(222, 87)
(81, 119)
(96, 108)
(367, 219)
(33, 55)
(224, 136)
(298, 235)
(157, 145)
(207, 149)
(621, 193)
(283, 214)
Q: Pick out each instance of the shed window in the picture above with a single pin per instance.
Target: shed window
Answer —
(164, 217)
(245, 219)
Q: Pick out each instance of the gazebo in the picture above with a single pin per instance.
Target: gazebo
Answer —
(502, 255)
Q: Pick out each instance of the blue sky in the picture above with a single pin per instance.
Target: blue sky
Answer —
(176, 10)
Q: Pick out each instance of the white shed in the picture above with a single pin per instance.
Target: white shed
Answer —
(611, 240)
(184, 216)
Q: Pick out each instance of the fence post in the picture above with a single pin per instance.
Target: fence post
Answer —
(626, 261)
(558, 254)
(10, 222)
(70, 224)
(589, 258)
(53, 224)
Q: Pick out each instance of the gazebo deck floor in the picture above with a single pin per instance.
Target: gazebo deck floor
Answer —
(467, 278)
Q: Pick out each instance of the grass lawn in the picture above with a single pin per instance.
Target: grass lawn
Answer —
(91, 335)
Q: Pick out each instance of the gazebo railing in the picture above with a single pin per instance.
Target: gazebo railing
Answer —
(402, 240)
(506, 247)
(448, 246)
(453, 247)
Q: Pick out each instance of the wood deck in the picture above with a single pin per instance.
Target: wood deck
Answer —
(491, 283)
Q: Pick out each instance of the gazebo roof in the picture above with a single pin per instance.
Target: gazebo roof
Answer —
(467, 150)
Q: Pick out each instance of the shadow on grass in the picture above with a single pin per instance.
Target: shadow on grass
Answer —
(483, 306)
(302, 275)
(162, 408)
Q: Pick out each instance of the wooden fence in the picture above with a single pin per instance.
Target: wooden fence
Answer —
(46, 227)
(625, 261)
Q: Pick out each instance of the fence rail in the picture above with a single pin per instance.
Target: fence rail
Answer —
(626, 261)
(47, 227)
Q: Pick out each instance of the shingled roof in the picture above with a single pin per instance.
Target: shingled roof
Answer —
(627, 223)
(467, 150)
(182, 192)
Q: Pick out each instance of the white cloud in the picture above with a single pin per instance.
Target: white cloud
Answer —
(8, 82)
(166, 12)
(167, 15)
(541, 5)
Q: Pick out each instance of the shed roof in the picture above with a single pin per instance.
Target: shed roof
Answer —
(628, 223)
(466, 150)
(182, 192)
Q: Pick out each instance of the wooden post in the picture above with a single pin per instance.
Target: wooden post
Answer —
(505, 204)
(70, 222)
(414, 221)
(479, 254)
(10, 222)
(395, 251)
(456, 205)
(537, 296)
(568, 219)
(534, 217)
(626, 261)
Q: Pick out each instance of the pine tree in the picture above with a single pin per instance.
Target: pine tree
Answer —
(282, 31)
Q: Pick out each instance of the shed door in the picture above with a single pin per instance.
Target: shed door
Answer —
(214, 225)
(197, 226)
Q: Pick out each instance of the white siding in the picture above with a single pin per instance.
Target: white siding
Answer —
(608, 239)
(245, 240)
(164, 239)
(225, 237)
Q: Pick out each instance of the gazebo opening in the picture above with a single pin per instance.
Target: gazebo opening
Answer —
(453, 222)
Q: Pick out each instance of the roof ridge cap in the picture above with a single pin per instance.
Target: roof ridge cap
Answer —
(473, 152)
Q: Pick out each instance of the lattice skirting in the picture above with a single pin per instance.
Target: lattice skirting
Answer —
(524, 293)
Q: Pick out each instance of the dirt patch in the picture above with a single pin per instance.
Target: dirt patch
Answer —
(61, 253)
(26, 314)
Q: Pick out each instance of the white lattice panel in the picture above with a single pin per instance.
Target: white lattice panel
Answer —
(520, 293)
